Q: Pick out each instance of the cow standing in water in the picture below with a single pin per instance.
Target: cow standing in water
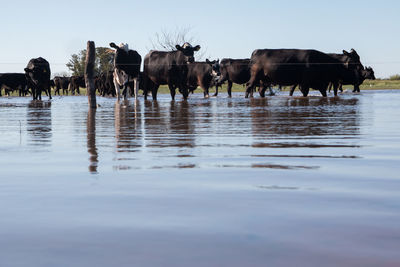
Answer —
(61, 83)
(170, 68)
(234, 71)
(13, 81)
(37, 74)
(289, 67)
(126, 67)
(237, 71)
(75, 83)
(202, 74)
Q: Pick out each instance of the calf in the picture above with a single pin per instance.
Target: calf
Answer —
(37, 74)
(126, 67)
(202, 74)
(168, 68)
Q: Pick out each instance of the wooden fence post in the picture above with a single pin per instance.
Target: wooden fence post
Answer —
(89, 73)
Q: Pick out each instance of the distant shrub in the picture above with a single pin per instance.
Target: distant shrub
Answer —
(394, 77)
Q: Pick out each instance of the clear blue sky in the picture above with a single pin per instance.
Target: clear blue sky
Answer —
(57, 29)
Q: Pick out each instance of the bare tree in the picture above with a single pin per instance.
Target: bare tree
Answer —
(168, 39)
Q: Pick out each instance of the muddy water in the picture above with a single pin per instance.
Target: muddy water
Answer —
(217, 182)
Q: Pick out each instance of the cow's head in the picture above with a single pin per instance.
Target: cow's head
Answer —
(188, 51)
(369, 74)
(216, 72)
(354, 59)
(35, 73)
(121, 46)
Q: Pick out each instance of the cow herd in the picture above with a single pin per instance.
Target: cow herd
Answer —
(297, 68)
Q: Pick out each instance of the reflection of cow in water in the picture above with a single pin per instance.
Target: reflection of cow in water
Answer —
(128, 127)
(304, 117)
(169, 127)
(39, 125)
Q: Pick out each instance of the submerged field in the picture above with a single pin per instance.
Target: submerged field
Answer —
(367, 85)
(206, 182)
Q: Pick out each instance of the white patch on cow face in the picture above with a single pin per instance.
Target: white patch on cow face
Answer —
(214, 73)
(185, 45)
(124, 46)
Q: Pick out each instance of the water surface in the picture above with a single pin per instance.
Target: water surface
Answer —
(207, 182)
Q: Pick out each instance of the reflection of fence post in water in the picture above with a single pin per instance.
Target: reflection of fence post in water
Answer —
(91, 140)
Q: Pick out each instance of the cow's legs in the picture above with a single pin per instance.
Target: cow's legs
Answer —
(172, 90)
(127, 92)
(49, 89)
(261, 90)
(254, 76)
(216, 90)
(356, 88)
(323, 90)
(136, 87)
(229, 89)
(206, 91)
(335, 88)
(330, 87)
(305, 90)
(154, 90)
(117, 88)
(34, 94)
(292, 90)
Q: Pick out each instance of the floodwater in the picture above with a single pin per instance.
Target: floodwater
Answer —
(278, 181)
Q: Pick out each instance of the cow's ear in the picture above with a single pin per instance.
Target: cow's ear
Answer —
(208, 61)
(178, 47)
(345, 52)
(27, 70)
(196, 48)
(113, 45)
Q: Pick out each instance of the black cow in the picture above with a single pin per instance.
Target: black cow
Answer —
(75, 83)
(288, 67)
(237, 71)
(13, 81)
(202, 74)
(368, 74)
(364, 74)
(126, 67)
(61, 83)
(37, 74)
(105, 83)
(168, 68)
(233, 71)
(352, 62)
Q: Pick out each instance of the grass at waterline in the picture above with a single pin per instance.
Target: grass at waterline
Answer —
(367, 85)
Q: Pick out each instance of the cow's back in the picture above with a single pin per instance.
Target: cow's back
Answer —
(236, 70)
(294, 66)
(159, 66)
(199, 71)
